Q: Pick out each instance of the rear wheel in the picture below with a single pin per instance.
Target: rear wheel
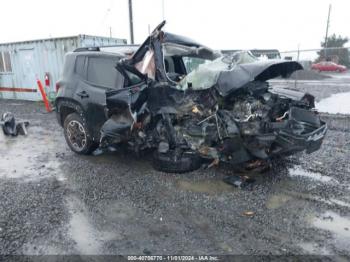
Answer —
(175, 162)
(77, 135)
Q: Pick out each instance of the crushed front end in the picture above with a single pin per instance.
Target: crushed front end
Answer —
(223, 111)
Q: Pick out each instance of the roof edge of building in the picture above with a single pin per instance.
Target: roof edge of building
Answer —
(59, 38)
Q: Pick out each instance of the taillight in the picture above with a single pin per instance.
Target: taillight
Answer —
(57, 86)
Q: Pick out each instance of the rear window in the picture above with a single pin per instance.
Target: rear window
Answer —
(102, 72)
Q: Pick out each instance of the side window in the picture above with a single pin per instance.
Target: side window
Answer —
(169, 64)
(101, 71)
(80, 65)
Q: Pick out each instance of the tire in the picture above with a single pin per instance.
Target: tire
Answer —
(77, 135)
(168, 163)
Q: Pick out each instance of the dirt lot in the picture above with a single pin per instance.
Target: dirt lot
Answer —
(56, 202)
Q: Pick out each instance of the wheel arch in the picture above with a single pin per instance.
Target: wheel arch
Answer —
(65, 107)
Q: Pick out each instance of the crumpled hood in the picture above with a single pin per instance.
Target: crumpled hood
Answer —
(242, 74)
(226, 80)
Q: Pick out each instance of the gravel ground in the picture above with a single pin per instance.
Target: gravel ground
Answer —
(56, 202)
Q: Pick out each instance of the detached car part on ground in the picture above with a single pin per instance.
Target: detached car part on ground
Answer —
(12, 127)
(221, 111)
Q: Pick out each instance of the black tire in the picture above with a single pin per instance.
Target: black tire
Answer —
(77, 135)
(168, 163)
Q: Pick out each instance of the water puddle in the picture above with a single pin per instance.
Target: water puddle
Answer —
(314, 249)
(334, 223)
(277, 201)
(339, 227)
(89, 240)
(29, 157)
(205, 186)
(300, 172)
(336, 103)
(309, 197)
(81, 231)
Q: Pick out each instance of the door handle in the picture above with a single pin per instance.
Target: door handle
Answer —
(83, 94)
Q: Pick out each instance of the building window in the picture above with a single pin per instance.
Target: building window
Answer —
(5, 62)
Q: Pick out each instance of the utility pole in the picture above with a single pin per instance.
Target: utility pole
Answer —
(131, 23)
(163, 10)
(326, 38)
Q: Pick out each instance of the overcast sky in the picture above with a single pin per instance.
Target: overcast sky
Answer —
(220, 24)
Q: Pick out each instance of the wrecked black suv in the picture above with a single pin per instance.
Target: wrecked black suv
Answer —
(186, 104)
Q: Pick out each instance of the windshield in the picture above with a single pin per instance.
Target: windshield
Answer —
(243, 57)
(204, 74)
(192, 63)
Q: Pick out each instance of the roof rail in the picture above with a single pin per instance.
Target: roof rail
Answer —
(83, 49)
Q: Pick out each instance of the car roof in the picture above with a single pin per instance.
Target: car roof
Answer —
(121, 50)
(97, 53)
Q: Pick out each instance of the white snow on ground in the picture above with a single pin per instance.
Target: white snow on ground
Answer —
(299, 172)
(337, 103)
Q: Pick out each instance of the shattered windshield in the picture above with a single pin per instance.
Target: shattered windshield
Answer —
(205, 74)
(192, 63)
(243, 57)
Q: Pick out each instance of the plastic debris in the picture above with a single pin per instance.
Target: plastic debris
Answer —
(239, 181)
(11, 127)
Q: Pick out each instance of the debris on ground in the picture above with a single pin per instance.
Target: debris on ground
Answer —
(239, 181)
(248, 213)
(11, 127)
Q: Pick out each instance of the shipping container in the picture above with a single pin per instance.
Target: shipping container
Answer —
(22, 63)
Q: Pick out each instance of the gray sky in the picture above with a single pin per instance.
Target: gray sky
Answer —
(220, 24)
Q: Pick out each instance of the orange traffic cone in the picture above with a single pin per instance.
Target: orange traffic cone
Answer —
(43, 94)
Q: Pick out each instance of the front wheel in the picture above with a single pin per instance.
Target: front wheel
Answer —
(77, 135)
(176, 162)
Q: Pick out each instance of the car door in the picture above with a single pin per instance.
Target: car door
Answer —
(322, 66)
(100, 76)
(333, 66)
(329, 66)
